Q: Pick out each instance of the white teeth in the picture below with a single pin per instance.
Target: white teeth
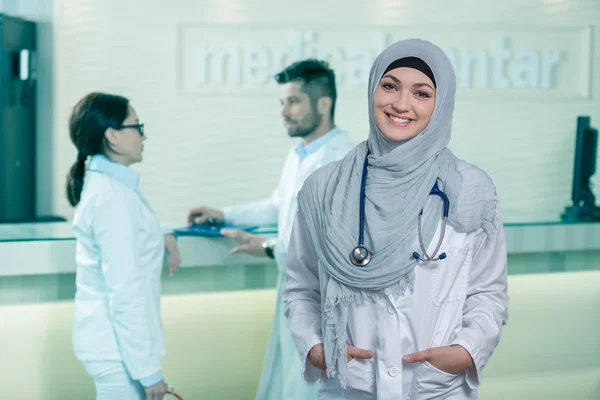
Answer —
(399, 120)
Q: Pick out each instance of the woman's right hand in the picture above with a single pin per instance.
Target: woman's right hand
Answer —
(156, 391)
(316, 355)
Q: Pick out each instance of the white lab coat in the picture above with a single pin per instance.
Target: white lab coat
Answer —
(460, 300)
(119, 256)
(281, 377)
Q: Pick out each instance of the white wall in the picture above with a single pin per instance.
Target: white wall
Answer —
(224, 143)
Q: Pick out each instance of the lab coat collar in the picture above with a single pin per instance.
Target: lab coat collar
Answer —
(126, 176)
(304, 151)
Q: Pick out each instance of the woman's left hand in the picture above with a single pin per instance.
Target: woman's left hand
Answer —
(450, 359)
(174, 256)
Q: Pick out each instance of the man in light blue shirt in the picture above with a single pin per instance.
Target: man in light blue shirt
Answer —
(308, 95)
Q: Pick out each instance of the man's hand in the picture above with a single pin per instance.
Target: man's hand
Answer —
(174, 256)
(248, 243)
(449, 359)
(199, 215)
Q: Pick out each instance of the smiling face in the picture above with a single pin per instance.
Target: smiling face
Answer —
(403, 103)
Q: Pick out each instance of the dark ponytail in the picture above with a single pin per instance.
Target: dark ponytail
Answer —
(75, 182)
(91, 117)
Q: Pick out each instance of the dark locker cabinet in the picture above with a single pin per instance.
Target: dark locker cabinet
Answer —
(17, 119)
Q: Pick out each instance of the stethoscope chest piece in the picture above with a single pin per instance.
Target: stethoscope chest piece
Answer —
(360, 256)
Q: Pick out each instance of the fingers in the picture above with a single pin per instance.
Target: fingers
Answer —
(156, 391)
(417, 357)
(160, 393)
(239, 249)
(234, 234)
(194, 213)
(200, 219)
(239, 236)
(321, 362)
(174, 255)
(355, 352)
(202, 215)
(198, 216)
(316, 356)
(174, 265)
(155, 394)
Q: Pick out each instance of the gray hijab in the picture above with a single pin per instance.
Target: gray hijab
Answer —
(399, 179)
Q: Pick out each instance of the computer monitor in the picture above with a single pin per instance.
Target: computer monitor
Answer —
(586, 146)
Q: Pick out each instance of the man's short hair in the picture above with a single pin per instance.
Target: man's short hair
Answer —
(317, 79)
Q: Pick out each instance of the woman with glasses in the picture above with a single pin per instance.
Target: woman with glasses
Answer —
(117, 332)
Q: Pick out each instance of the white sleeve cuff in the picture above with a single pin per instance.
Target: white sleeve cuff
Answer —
(473, 375)
(167, 230)
(230, 214)
(152, 379)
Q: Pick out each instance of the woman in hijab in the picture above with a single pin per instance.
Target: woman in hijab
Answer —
(421, 316)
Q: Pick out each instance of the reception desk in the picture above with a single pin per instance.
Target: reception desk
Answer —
(217, 314)
(37, 260)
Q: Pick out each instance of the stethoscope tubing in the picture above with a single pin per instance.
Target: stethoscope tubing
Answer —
(361, 255)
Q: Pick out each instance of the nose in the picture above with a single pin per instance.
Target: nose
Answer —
(144, 138)
(285, 109)
(402, 101)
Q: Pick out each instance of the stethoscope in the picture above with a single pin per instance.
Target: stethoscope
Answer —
(361, 255)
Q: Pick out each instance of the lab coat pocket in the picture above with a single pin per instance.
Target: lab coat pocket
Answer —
(439, 371)
(360, 383)
(433, 383)
(450, 276)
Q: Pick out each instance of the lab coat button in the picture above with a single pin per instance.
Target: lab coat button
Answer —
(391, 309)
(393, 372)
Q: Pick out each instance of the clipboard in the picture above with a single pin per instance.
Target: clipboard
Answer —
(210, 230)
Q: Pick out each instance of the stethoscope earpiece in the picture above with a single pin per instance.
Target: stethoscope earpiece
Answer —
(417, 256)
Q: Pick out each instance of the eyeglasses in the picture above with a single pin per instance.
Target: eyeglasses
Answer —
(139, 127)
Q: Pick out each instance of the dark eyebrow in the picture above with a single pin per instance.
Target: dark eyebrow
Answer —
(397, 81)
(289, 98)
(423, 84)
